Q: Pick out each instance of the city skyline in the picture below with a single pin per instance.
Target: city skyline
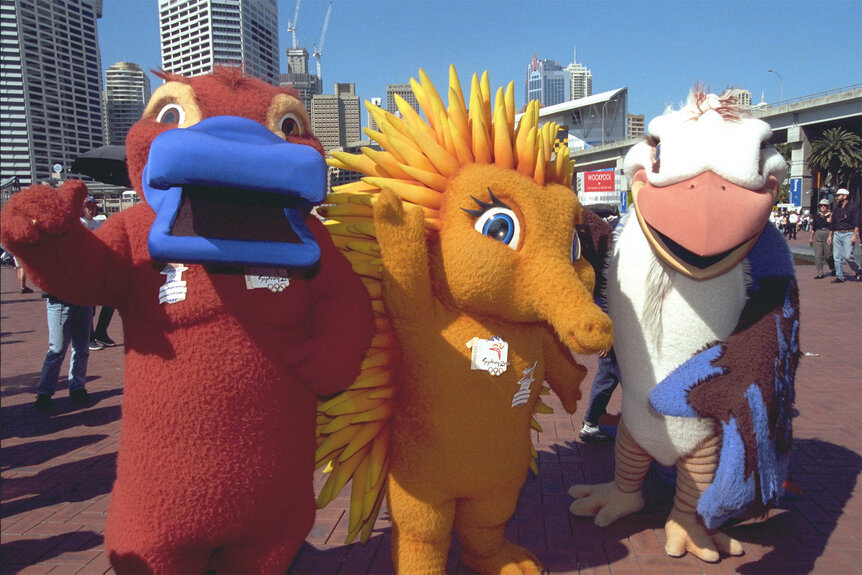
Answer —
(658, 50)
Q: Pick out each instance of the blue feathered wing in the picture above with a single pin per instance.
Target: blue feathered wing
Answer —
(746, 383)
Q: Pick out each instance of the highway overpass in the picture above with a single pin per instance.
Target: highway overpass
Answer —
(796, 122)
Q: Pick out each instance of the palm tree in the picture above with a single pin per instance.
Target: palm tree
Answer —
(838, 152)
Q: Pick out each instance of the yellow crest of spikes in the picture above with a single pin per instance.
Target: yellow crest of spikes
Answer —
(420, 156)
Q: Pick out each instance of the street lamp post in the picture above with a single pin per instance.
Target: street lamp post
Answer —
(780, 84)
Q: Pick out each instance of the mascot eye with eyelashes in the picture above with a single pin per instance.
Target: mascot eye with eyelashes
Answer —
(496, 220)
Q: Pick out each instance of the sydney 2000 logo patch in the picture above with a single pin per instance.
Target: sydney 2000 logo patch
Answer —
(491, 355)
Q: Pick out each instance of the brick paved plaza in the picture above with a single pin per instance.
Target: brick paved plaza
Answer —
(58, 468)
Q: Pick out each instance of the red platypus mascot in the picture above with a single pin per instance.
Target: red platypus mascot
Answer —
(238, 312)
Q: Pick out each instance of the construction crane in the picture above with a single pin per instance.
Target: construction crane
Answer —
(291, 24)
(318, 48)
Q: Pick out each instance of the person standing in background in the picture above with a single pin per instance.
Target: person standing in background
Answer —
(819, 237)
(67, 323)
(843, 235)
(98, 337)
(22, 277)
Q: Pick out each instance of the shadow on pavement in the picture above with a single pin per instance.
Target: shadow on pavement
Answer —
(38, 452)
(23, 553)
(26, 383)
(827, 474)
(75, 481)
(24, 420)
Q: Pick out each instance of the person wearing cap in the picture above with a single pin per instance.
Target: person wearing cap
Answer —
(843, 235)
(88, 213)
(98, 337)
(819, 235)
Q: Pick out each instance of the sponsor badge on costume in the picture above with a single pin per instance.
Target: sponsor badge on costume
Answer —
(174, 289)
(275, 280)
(523, 394)
(491, 355)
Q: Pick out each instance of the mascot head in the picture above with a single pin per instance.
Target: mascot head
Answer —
(231, 168)
(704, 183)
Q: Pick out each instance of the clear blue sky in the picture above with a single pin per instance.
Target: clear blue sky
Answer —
(656, 48)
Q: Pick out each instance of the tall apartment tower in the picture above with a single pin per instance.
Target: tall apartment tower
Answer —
(298, 78)
(335, 118)
(127, 90)
(403, 90)
(197, 35)
(580, 79)
(635, 126)
(546, 82)
(50, 86)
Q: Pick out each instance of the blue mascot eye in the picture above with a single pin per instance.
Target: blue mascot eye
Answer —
(500, 224)
(500, 227)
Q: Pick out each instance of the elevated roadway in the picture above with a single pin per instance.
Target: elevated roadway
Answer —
(796, 122)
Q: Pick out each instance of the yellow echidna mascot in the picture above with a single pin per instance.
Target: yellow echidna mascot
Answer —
(463, 232)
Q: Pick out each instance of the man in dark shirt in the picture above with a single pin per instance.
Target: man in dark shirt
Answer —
(819, 234)
(843, 234)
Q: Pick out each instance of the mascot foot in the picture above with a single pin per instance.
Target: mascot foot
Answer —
(605, 501)
(685, 533)
(509, 560)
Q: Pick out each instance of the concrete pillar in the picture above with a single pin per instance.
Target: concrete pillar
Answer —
(623, 185)
(801, 149)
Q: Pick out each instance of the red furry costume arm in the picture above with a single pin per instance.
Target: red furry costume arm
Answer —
(41, 227)
(342, 322)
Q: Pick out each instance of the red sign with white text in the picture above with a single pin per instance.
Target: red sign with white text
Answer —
(599, 181)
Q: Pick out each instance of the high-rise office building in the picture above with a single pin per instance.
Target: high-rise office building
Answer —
(546, 82)
(335, 118)
(197, 35)
(635, 126)
(403, 90)
(580, 79)
(127, 90)
(50, 86)
(298, 78)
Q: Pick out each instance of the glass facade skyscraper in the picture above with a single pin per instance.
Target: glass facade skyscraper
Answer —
(197, 35)
(50, 86)
(546, 82)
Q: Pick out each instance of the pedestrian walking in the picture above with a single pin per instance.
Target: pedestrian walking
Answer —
(843, 235)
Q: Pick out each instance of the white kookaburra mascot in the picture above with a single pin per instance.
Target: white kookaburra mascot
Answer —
(704, 302)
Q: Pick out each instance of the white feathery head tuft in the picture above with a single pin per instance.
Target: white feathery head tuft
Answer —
(710, 133)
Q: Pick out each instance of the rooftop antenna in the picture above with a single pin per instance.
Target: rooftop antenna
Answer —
(291, 24)
(318, 48)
